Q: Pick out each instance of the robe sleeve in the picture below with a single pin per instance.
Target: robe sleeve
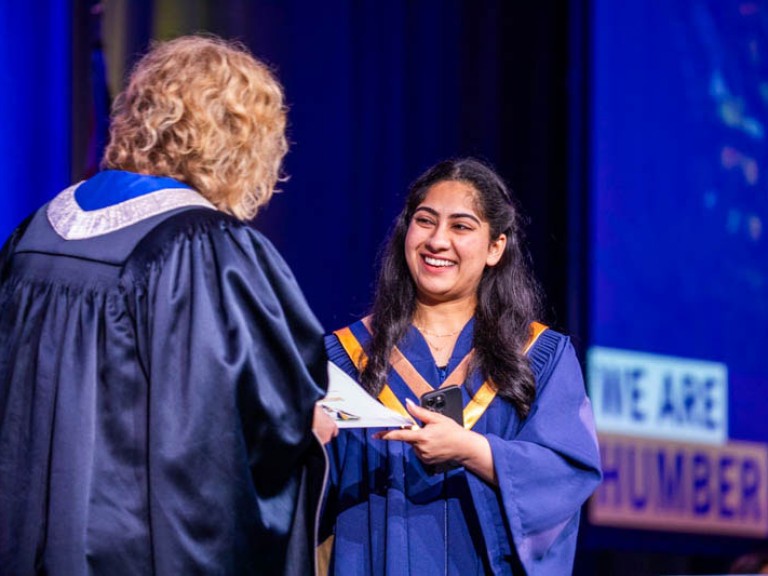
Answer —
(234, 361)
(7, 248)
(337, 448)
(545, 472)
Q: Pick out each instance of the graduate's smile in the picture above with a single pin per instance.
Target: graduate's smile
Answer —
(434, 262)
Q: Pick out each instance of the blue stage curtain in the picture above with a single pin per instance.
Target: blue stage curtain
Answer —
(378, 92)
(35, 100)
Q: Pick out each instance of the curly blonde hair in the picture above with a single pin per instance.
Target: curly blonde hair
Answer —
(206, 112)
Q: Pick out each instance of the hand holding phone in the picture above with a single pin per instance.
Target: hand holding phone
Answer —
(446, 401)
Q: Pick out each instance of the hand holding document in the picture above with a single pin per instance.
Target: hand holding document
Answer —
(352, 407)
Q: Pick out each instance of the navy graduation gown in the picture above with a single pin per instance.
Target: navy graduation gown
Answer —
(389, 516)
(157, 385)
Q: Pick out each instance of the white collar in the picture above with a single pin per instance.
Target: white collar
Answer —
(71, 222)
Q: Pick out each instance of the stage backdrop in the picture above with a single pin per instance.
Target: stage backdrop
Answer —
(378, 92)
(678, 276)
(35, 100)
(674, 219)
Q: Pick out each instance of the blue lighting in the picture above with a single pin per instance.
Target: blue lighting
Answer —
(35, 106)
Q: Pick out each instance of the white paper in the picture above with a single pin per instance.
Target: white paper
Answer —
(352, 407)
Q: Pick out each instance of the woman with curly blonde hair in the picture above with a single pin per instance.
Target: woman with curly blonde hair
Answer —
(210, 116)
(159, 366)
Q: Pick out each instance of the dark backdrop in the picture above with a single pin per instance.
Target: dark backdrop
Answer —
(378, 92)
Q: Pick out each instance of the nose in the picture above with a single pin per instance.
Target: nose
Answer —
(438, 239)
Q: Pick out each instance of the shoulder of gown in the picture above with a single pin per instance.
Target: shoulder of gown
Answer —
(336, 352)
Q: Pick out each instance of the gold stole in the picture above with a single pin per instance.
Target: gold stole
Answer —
(415, 381)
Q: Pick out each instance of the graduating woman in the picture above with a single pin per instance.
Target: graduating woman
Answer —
(455, 304)
(159, 366)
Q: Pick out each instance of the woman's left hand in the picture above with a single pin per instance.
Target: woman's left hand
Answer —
(323, 426)
(441, 439)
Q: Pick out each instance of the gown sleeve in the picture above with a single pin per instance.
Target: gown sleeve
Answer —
(546, 471)
(234, 361)
(336, 449)
(7, 247)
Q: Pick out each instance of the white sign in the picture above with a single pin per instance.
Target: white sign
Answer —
(657, 396)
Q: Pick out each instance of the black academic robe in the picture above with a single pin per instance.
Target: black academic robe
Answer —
(157, 385)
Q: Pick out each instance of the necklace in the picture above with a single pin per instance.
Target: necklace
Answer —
(437, 351)
(428, 333)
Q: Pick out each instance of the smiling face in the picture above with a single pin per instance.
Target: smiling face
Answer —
(448, 245)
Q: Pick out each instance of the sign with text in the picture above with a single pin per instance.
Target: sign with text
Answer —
(662, 485)
(658, 396)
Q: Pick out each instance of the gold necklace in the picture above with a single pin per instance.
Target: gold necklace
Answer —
(428, 333)
(436, 349)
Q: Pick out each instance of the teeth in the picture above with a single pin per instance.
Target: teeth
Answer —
(437, 262)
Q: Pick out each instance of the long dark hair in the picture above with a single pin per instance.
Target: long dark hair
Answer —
(508, 297)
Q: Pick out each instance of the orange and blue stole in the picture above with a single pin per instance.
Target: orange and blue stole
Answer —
(351, 340)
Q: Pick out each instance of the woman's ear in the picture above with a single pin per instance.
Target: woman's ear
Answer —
(496, 250)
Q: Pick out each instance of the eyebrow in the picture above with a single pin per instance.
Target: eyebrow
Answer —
(452, 216)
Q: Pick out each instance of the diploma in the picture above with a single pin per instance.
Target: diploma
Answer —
(352, 407)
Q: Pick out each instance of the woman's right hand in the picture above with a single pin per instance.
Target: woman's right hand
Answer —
(441, 439)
